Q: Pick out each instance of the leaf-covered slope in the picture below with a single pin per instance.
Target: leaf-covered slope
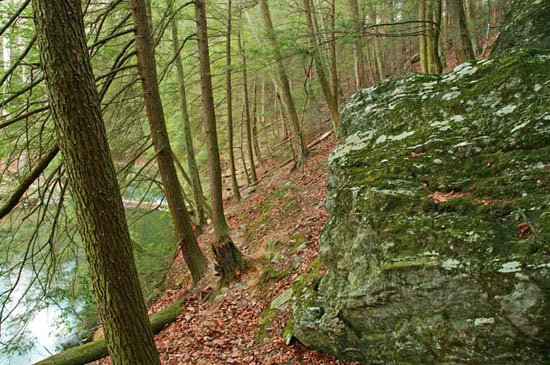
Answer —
(439, 219)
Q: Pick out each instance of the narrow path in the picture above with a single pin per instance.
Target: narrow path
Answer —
(278, 224)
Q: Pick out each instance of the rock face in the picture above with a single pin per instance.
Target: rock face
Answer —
(527, 26)
(438, 238)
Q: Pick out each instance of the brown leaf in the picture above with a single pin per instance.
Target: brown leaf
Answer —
(440, 197)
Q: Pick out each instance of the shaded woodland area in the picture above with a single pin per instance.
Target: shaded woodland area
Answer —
(169, 157)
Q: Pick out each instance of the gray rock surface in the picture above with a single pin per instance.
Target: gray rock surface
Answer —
(438, 237)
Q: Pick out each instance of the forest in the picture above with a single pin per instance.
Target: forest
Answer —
(274, 181)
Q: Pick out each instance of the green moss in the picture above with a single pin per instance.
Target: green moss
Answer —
(263, 328)
(428, 190)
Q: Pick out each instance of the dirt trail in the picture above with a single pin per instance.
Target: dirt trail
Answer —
(277, 224)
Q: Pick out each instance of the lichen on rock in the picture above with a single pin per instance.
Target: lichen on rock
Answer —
(437, 242)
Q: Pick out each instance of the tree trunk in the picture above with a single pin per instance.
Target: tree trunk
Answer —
(284, 87)
(461, 37)
(358, 56)
(95, 350)
(228, 268)
(229, 92)
(255, 123)
(377, 47)
(191, 161)
(91, 175)
(247, 111)
(321, 75)
(241, 148)
(264, 118)
(423, 39)
(436, 35)
(371, 16)
(333, 60)
(193, 256)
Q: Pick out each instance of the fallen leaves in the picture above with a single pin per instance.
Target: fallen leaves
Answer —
(439, 197)
(226, 331)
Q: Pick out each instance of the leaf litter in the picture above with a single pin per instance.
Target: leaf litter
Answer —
(238, 326)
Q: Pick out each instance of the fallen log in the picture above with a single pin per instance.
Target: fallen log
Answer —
(97, 349)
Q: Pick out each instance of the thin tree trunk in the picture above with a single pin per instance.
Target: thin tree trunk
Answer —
(255, 123)
(241, 148)
(423, 39)
(191, 161)
(228, 257)
(247, 111)
(278, 116)
(229, 92)
(333, 60)
(436, 35)
(321, 75)
(377, 46)
(284, 87)
(430, 51)
(264, 117)
(193, 256)
(374, 59)
(82, 139)
(358, 56)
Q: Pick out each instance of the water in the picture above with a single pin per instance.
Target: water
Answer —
(47, 330)
(43, 333)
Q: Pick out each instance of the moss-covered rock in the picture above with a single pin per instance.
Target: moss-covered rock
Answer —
(438, 237)
(526, 26)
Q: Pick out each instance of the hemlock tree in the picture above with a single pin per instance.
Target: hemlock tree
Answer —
(358, 54)
(284, 86)
(321, 75)
(461, 37)
(91, 175)
(192, 254)
(228, 257)
(191, 161)
(240, 41)
(229, 93)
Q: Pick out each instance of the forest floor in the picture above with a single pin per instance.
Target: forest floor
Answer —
(276, 225)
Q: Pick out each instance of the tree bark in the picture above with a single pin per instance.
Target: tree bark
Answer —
(321, 75)
(255, 123)
(248, 124)
(284, 87)
(430, 51)
(436, 35)
(241, 148)
(423, 39)
(461, 36)
(229, 93)
(333, 60)
(191, 161)
(193, 256)
(227, 268)
(101, 221)
(377, 48)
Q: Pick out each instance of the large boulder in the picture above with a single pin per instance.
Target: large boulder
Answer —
(527, 26)
(438, 238)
